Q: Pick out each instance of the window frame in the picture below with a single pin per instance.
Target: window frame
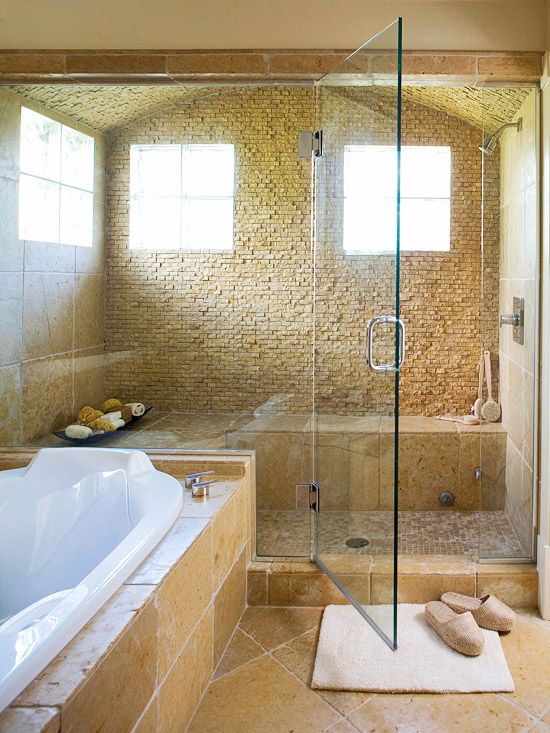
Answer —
(184, 198)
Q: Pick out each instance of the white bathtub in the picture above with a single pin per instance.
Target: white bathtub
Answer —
(74, 525)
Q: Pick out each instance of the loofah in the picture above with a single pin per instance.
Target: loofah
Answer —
(78, 432)
(138, 408)
(107, 426)
(87, 415)
(111, 405)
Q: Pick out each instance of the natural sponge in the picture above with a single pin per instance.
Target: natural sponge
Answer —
(87, 415)
(111, 405)
(101, 424)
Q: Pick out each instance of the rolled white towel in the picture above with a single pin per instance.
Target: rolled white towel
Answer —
(137, 408)
(112, 416)
(78, 432)
(118, 423)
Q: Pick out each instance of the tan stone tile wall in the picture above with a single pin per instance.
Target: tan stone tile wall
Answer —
(228, 331)
(518, 277)
(51, 315)
(356, 468)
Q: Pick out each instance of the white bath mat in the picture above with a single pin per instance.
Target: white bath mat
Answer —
(351, 656)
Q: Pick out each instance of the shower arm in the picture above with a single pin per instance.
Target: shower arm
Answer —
(501, 129)
(487, 146)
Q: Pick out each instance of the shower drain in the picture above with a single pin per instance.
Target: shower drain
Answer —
(357, 542)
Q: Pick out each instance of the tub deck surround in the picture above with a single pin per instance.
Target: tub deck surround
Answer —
(422, 578)
(253, 66)
(149, 653)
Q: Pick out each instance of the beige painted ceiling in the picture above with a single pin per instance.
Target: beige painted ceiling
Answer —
(106, 108)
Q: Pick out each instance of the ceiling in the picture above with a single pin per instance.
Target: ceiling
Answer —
(487, 109)
(107, 108)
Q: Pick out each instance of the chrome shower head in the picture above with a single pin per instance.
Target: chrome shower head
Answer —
(490, 142)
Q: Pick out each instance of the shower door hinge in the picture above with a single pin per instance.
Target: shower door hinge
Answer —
(307, 496)
(310, 143)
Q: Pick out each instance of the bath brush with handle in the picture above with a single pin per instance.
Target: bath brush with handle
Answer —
(491, 409)
(476, 409)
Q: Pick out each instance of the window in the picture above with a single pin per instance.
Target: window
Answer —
(56, 182)
(181, 197)
(369, 198)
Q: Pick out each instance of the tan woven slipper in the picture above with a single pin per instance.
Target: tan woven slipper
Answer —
(458, 630)
(488, 611)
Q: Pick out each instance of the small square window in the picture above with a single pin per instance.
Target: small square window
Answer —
(56, 182)
(182, 197)
(370, 188)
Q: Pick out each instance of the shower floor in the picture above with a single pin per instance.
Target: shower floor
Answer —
(471, 534)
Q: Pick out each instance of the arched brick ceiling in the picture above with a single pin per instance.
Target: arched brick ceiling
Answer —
(106, 108)
(487, 109)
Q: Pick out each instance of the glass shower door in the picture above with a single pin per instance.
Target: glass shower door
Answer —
(359, 340)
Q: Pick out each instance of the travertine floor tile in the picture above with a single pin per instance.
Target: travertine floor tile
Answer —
(272, 627)
(342, 727)
(261, 697)
(440, 714)
(242, 649)
(540, 728)
(299, 657)
(527, 650)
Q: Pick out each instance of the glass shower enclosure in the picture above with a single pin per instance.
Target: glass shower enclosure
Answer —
(358, 350)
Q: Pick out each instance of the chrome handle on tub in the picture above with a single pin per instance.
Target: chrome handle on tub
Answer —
(369, 340)
(194, 478)
(201, 488)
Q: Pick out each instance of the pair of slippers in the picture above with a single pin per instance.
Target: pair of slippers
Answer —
(457, 620)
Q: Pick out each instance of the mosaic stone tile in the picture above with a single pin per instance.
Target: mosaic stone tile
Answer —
(472, 534)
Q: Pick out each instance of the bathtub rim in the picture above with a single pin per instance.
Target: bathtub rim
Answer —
(100, 584)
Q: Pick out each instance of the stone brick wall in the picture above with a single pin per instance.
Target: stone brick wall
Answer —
(229, 331)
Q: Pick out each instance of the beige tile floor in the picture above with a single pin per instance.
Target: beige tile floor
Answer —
(261, 685)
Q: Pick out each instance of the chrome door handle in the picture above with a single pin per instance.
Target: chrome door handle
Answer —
(369, 339)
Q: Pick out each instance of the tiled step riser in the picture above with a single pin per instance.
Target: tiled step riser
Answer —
(518, 587)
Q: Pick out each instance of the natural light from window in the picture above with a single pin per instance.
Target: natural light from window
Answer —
(370, 199)
(56, 182)
(181, 197)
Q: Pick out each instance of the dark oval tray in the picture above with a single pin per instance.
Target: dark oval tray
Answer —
(100, 436)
